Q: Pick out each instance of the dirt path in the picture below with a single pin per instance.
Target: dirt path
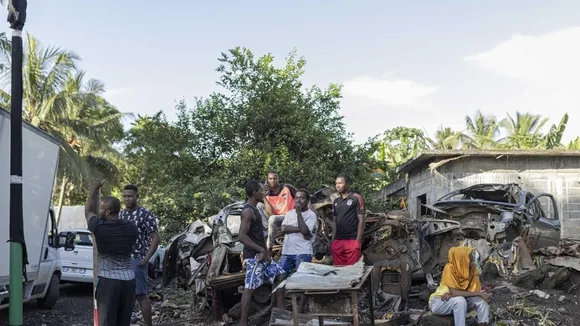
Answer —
(74, 308)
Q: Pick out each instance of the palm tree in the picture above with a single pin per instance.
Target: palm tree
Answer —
(481, 131)
(89, 125)
(525, 131)
(446, 138)
(58, 100)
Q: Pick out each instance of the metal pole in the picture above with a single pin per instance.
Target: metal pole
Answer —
(18, 259)
(95, 275)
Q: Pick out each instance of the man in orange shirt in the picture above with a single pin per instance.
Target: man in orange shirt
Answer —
(278, 201)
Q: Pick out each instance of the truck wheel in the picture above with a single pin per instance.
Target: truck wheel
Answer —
(51, 295)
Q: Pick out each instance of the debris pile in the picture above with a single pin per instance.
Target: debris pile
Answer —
(173, 306)
(566, 254)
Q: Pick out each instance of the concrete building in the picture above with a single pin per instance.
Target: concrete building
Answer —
(433, 174)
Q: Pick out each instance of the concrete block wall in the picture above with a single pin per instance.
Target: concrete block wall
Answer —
(558, 176)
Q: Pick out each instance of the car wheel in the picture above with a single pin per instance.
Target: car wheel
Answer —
(51, 296)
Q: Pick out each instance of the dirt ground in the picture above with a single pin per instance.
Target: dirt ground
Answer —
(511, 306)
(74, 308)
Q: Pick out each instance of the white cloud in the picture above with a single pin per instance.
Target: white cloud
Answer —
(388, 91)
(547, 65)
(548, 59)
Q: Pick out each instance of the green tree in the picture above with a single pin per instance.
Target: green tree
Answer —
(58, 100)
(553, 138)
(397, 146)
(481, 131)
(446, 138)
(574, 144)
(524, 131)
(264, 118)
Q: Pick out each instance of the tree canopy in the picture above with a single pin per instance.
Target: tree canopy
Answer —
(263, 119)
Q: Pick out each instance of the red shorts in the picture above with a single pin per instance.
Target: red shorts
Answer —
(345, 252)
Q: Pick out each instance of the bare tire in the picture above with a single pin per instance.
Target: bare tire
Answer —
(51, 296)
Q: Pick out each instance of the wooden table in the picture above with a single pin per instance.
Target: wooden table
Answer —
(295, 293)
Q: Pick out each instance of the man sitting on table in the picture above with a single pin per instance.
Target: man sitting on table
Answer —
(278, 201)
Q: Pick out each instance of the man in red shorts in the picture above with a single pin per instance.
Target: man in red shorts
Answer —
(349, 223)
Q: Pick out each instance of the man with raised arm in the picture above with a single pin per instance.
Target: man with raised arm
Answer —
(257, 259)
(115, 238)
(147, 242)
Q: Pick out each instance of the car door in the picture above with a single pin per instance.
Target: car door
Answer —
(49, 256)
(547, 225)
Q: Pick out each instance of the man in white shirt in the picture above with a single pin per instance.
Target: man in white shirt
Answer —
(298, 228)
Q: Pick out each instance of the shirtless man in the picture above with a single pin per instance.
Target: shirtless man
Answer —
(257, 259)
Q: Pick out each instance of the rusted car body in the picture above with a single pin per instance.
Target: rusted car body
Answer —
(206, 257)
(500, 212)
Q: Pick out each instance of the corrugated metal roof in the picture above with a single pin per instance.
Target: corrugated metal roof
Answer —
(427, 156)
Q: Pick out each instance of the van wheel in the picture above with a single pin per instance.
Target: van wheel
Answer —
(51, 295)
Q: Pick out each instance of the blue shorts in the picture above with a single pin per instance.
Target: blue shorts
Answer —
(257, 272)
(140, 278)
(290, 263)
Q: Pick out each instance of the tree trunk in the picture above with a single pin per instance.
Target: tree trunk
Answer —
(63, 184)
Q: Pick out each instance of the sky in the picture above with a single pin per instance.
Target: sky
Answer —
(422, 64)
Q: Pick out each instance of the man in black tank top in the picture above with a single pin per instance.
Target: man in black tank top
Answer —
(257, 259)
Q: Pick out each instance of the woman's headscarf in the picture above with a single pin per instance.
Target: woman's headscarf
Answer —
(459, 273)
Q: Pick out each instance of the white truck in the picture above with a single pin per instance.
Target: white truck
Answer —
(40, 161)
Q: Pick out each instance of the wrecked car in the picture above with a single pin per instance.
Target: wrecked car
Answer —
(500, 212)
(485, 213)
(206, 258)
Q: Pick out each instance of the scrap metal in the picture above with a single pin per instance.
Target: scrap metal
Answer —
(502, 221)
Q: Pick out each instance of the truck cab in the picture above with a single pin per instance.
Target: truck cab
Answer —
(43, 279)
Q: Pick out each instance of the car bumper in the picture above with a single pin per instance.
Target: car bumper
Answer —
(72, 275)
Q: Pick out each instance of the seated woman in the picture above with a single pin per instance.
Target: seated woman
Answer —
(460, 289)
